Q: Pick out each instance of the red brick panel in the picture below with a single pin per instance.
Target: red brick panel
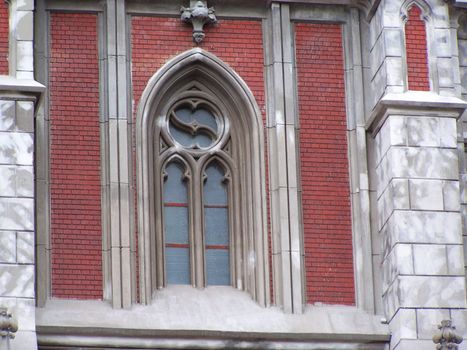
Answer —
(4, 33)
(75, 157)
(324, 164)
(237, 42)
(416, 50)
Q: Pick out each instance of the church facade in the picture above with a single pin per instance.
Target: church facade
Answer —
(232, 174)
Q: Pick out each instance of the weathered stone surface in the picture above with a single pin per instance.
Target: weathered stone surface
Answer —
(17, 281)
(428, 321)
(422, 131)
(7, 115)
(24, 25)
(7, 246)
(426, 194)
(399, 261)
(16, 148)
(7, 181)
(424, 292)
(394, 197)
(16, 181)
(431, 291)
(422, 227)
(24, 53)
(445, 76)
(455, 256)
(451, 195)
(430, 259)
(416, 162)
(447, 132)
(403, 325)
(25, 248)
(17, 214)
(25, 116)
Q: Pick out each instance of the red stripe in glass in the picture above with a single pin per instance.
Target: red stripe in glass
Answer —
(216, 206)
(177, 245)
(214, 246)
(174, 204)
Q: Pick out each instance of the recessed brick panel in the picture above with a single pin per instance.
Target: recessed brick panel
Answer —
(416, 51)
(4, 32)
(75, 190)
(324, 164)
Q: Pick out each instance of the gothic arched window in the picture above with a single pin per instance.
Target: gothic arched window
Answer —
(193, 158)
(201, 180)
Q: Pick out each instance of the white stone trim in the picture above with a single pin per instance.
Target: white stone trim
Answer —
(232, 316)
(365, 273)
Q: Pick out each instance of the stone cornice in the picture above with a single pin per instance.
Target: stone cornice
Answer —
(419, 102)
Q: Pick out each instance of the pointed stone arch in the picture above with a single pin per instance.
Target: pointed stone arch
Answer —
(202, 75)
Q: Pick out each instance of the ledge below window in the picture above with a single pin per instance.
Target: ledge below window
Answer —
(213, 318)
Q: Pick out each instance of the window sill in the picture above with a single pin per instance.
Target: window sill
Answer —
(211, 316)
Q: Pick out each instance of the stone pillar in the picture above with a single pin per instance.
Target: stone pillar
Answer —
(17, 270)
(417, 170)
(117, 159)
(282, 127)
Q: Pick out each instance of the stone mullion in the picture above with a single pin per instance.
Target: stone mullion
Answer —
(198, 280)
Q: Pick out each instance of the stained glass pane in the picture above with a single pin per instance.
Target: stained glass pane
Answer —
(176, 220)
(177, 264)
(215, 191)
(217, 267)
(216, 226)
(216, 229)
(176, 224)
(193, 128)
(174, 186)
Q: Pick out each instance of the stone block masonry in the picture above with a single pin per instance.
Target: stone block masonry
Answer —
(419, 220)
(17, 270)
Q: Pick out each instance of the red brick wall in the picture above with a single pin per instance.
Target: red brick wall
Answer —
(4, 33)
(416, 51)
(237, 42)
(324, 164)
(75, 157)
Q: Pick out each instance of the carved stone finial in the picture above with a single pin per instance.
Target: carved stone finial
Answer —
(446, 338)
(8, 325)
(198, 15)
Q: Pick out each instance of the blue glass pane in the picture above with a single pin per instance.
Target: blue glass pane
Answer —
(187, 140)
(187, 134)
(176, 224)
(174, 186)
(215, 190)
(216, 226)
(177, 265)
(217, 267)
(200, 115)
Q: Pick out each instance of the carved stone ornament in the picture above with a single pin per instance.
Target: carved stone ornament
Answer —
(446, 338)
(8, 325)
(198, 15)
